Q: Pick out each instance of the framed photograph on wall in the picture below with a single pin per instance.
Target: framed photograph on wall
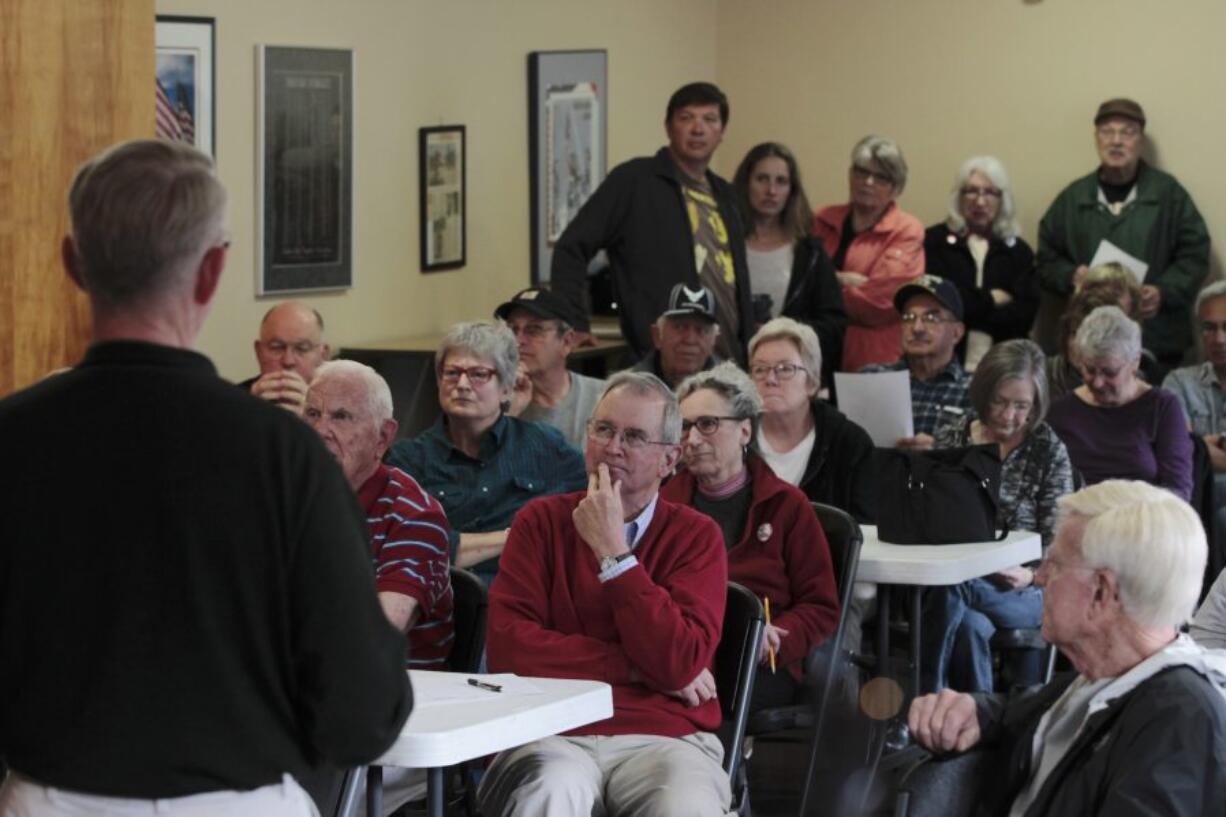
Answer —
(442, 174)
(568, 113)
(304, 169)
(185, 78)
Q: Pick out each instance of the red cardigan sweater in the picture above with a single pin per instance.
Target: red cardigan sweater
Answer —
(782, 555)
(659, 622)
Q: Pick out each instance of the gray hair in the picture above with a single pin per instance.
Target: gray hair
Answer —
(375, 389)
(1011, 360)
(646, 384)
(728, 381)
(143, 214)
(489, 340)
(886, 153)
(800, 334)
(1108, 332)
(1006, 225)
(1130, 528)
(1215, 290)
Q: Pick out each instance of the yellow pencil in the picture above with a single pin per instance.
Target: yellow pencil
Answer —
(766, 603)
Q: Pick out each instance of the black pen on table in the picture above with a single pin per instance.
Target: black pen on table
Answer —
(473, 682)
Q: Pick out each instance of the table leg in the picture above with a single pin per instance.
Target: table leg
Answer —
(350, 793)
(916, 622)
(434, 792)
(374, 791)
(883, 630)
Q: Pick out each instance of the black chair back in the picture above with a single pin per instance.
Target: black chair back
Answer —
(736, 663)
(471, 606)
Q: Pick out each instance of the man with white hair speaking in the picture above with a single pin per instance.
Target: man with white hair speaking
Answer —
(1140, 729)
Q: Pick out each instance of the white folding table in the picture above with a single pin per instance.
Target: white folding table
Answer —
(448, 726)
(919, 566)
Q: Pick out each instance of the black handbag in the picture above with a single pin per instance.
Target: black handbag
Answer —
(939, 497)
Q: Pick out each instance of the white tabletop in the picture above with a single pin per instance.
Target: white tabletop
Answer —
(942, 564)
(449, 725)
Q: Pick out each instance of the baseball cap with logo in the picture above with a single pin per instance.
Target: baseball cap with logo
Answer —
(934, 285)
(547, 304)
(698, 302)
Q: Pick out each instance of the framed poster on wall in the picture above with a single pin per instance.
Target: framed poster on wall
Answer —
(185, 78)
(304, 169)
(568, 112)
(442, 174)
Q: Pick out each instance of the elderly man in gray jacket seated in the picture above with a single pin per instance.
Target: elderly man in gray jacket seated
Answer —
(1140, 729)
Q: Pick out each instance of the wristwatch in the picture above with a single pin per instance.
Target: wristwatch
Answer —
(610, 562)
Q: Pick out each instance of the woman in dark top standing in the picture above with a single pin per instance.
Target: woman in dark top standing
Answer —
(979, 249)
(789, 272)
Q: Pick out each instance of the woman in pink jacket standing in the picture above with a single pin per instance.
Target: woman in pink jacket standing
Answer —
(875, 247)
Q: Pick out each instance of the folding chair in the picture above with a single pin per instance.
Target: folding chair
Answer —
(736, 666)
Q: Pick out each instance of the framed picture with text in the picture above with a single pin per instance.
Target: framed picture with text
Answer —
(568, 113)
(442, 174)
(304, 169)
(185, 78)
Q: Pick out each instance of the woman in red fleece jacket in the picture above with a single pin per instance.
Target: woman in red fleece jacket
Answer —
(776, 547)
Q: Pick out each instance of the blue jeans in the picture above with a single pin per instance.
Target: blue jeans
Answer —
(958, 624)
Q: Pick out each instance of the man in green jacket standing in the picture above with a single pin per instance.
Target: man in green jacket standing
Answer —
(1140, 211)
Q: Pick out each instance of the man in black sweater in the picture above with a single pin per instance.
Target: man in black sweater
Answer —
(665, 220)
(187, 608)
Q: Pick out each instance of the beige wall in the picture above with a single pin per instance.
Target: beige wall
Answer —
(949, 79)
(430, 62)
(946, 78)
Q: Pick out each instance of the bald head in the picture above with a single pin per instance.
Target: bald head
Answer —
(291, 339)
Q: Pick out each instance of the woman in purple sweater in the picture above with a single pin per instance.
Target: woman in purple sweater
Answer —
(1115, 425)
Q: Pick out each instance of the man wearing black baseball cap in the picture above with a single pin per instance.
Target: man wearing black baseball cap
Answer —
(931, 310)
(1128, 205)
(545, 327)
(684, 336)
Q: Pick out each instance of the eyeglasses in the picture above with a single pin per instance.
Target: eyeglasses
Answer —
(1001, 404)
(864, 174)
(973, 193)
(634, 439)
(477, 375)
(783, 371)
(930, 318)
(534, 330)
(302, 348)
(1126, 133)
(707, 424)
(1089, 372)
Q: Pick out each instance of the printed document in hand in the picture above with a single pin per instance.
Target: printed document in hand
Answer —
(1108, 252)
(880, 403)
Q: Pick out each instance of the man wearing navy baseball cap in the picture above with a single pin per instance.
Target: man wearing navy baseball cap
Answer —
(684, 336)
(546, 327)
(931, 310)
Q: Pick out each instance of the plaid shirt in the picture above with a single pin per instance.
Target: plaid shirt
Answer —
(518, 461)
(936, 401)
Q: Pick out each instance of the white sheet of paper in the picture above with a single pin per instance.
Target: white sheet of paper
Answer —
(431, 688)
(880, 403)
(1108, 252)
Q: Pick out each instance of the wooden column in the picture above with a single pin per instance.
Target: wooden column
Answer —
(75, 76)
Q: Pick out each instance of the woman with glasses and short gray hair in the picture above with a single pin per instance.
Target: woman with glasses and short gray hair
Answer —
(1009, 396)
(1116, 425)
(481, 464)
(979, 248)
(806, 441)
(776, 547)
(875, 247)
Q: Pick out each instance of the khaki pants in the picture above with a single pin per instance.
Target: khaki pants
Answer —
(22, 797)
(609, 776)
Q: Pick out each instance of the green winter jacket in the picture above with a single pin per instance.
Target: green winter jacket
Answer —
(1161, 226)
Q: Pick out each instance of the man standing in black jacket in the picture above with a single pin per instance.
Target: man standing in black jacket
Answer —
(187, 607)
(665, 220)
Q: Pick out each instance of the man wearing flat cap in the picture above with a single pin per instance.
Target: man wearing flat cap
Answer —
(546, 327)
(932, 327)
(1131, 212)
